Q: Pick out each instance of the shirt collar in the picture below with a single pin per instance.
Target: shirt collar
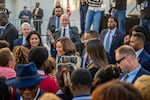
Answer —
(139, 52)
(134, 71)
(41, 72)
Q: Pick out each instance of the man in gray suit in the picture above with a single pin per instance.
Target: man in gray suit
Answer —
(112, 38)
(55, 19)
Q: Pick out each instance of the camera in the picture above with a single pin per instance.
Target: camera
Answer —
(68, 59)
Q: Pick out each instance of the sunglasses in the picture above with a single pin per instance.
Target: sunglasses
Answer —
(29, 88)
(118, 61)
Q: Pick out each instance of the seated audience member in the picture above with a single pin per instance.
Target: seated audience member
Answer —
(51, 67)
(63, 73)
(103, 75)
(49, 96)
(21, 54)
(5, 91)
(116, 90)
(4, 44)
(97, 55)
(27, 82)
(128, 62)
(25, 30)
(33, 39)
(138, 28)
(142, 84)
(81, 82)
(39, 55)
(7, 63)
(137, 41)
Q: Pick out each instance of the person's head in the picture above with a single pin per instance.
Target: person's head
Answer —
(142, 84)
(7, 58)
(64, 18)
(112, 23)
(64, 45)
(103, 75)
(4, 44)
(21, 54)
(39, 56)
(2, 4)
(3, 18)
(116, 90)
(63, 73)
(89, 35)
(25, 29)
(81, 82)
(5, 91)
(49, 96)
(96, 52)
(58, 11)
(138, 28)
(27, 80)
(137, 41)
(33, 39)
(126, 58)
(51, 67)
(37, 4)
(25, 7)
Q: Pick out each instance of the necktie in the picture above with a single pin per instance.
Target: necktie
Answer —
(58, 22)
(1, 30)
(64, 32)
(125, 77)
(107, 46)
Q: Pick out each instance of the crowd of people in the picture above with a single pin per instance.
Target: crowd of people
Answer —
(99, 65)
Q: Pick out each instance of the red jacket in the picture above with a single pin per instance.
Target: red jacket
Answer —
(49, 85)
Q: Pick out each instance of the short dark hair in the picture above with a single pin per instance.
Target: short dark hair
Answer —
(38, 55)
(93, 34)
(28, 45)
(81, 77)
(115, 19)
(140, 36)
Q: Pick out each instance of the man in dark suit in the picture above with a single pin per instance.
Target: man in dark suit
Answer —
(127, 61)
(8, 31)
(25, 29)
(37, 17)
(137, 42)
(112, 38)
(25, 15)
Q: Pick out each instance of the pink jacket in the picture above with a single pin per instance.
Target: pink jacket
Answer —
(7, 72)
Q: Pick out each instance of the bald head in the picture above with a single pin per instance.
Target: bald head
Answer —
(64, 18)
(25, 28)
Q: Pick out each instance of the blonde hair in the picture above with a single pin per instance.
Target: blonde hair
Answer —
(21, 54)
(143, 86)
(49, 96)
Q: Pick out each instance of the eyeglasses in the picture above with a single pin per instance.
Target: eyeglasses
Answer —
(29, 88)
(118, 61)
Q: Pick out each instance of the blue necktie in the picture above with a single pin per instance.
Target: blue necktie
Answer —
(107, 46)
(1, 30)
(58, 22)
